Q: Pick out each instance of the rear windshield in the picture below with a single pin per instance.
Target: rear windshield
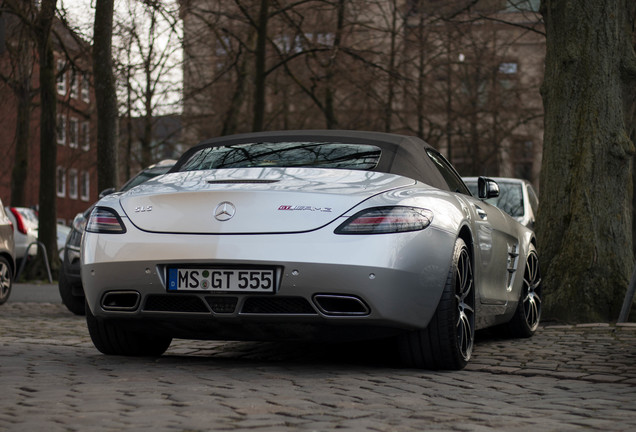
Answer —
(144, 176)
(286, 154)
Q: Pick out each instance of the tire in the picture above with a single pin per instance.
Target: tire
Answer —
(447, 341)
(115, 338)
(526, 319)
(6, 280)
(74, 303)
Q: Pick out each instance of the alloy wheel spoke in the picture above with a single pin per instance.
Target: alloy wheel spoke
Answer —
(464, 336)
(465, 305)
(532, 311)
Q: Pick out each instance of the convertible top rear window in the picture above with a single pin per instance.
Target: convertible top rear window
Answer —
(286, 154)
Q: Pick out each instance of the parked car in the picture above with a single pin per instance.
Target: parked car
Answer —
(517, 197)
(70, 281)
(335, 235)
(7, 255)
(25, 230)
(62, 234)
(26, 224)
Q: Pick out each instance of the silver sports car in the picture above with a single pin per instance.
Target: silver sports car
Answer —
(308, 235)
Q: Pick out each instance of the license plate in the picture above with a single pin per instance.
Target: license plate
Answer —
(221, 280)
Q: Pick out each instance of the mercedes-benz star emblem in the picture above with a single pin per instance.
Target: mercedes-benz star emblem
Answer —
(224, 211)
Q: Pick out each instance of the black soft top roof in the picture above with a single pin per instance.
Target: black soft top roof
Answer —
(401, 154)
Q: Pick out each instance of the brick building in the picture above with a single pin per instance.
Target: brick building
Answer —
(76, 174)
(461, 74)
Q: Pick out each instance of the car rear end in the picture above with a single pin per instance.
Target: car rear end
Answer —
(269, 253)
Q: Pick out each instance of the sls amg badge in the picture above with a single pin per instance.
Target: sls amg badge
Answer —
(305, 208)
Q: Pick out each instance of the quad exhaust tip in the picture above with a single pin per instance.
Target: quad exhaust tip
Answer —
(340, 305)
(121, 301)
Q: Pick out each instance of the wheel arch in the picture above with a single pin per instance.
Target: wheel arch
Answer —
(11, 261)
(466, 234)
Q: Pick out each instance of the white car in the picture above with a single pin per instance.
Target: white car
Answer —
(25, 224)
(517, 197)
(25, 230)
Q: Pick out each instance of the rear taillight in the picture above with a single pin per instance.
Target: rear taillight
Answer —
(19, 220)
(383, 220)
(105, 221)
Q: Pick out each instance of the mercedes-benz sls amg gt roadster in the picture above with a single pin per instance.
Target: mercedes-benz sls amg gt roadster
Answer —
(308, 235)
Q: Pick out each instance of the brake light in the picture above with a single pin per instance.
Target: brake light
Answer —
(19, 220)
(105, 221)
(383, 220)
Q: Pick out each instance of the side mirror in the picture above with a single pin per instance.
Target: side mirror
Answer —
(105, 192)
(487, 188)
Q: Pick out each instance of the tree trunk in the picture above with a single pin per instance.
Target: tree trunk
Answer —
(329, 107)
(148, 96)
(23, 136)
(584, 223)
(23, 58)
(259, 77)
(232, 114)
(105, 95)
(392, 72)
(48, 147)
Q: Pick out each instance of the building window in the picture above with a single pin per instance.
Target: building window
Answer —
(85, 184)
(524, 159)
(508, 68)
(61, 129)
(72, 183)
(73, 133)
(74, 84)
(327, 39)
(85, 136)
(61, 77)
(61, 182)
(85, 89)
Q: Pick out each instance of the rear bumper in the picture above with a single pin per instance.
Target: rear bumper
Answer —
(366, 285)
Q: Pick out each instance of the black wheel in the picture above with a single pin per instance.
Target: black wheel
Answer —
(115, 338)
(6, 280)
(447, 342)
(74, 303)
(528, 313)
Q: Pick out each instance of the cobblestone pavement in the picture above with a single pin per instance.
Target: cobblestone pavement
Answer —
(562, 379)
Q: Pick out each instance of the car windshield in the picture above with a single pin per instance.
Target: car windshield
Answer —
(510, 197)
(286, 154)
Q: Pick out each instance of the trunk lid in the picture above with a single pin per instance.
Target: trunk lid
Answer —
(251, 200)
